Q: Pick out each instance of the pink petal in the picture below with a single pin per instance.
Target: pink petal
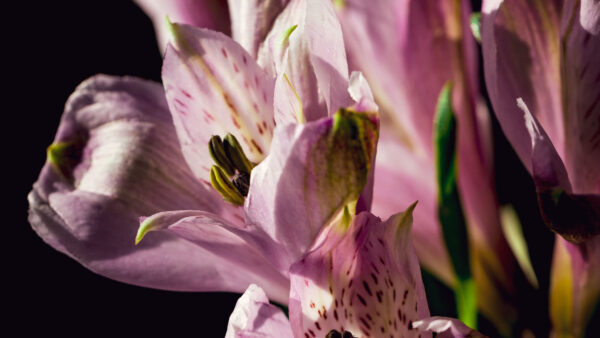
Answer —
(574, 285)
(215, 87)
(312, 172)
(446, 328)
(364, 279)
(235, 246)
(311, 60)
(548, 56)
(122, 161)
(400, 179)
(210, 14)
(251, 21)
(254, 316)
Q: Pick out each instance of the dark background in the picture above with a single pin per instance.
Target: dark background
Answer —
(52, 47)
(58, 44)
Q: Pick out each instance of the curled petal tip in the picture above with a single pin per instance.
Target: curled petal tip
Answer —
(145, 227)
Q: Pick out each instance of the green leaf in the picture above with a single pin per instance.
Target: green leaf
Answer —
(454, 228)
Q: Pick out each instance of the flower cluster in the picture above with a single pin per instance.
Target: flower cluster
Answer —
(261, 164)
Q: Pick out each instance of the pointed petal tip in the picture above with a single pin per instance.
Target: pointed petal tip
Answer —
(146, 225)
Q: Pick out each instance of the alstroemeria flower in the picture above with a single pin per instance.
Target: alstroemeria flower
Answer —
(122, 151)
(407, 50)
(542, 73)
(360, 279)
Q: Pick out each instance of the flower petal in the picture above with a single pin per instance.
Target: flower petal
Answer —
(215, 87)
(120, 159)
(210, 14)
(254, 316)
(305, 49)
(547, 54)
(364, 279)
(399, 183)
(251, 21)
(574, 286)
(230, 243)
(312, 172)
(446, 328)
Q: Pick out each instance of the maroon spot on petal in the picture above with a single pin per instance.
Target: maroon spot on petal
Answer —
(179, 102)
(186, 94)
(246, 85)
(209, 115)
(235, 122)
(317, 325)
(229, 104)
(235, 68)
(312, 305)
(255, 106)
(244, 59)
(312, 333)
(265, 124)
(404, 296)
(264, 97)
(335, 315)
(362, 300)
(367, 288)
(257, 147)
(364, 322)
(256, 80)
(374, 277)
(224, 52)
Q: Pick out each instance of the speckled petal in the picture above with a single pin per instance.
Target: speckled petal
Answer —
(400, 179)
(311, 59)
(255, 317)
(231, 244)
(116, 157)
(210, 14)
(215, 87)
(312, 172)
(364, 279)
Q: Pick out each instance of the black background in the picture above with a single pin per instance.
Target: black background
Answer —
(55, 46)
(51, 47)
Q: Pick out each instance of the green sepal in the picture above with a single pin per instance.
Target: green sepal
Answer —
(450, 213)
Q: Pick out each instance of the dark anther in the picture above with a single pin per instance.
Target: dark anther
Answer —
(347, 334)
(337, 334)
(241, 181)
(333, 334)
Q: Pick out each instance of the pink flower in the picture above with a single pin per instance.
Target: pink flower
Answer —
(407, 51)
(542, 73)
(361, 278)
(123, 151)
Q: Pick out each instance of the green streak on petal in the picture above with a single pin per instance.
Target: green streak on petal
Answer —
(57, 153)
(300, 117)
(284, 38)
(476, 26)
(62, 156)
(450, 213)
(516, 241)
(146, 226)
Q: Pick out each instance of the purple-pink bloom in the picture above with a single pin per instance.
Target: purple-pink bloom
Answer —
(408, 50)
(543, 76)
(360, 278)
(124, 151)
